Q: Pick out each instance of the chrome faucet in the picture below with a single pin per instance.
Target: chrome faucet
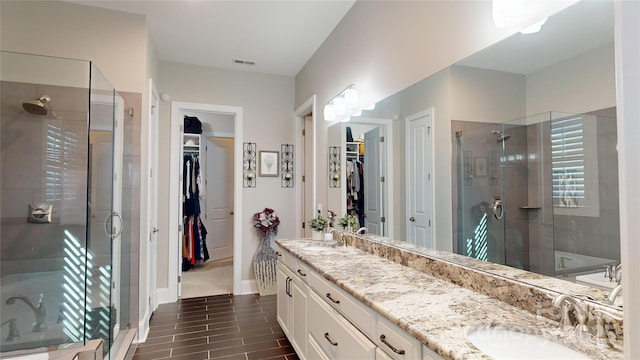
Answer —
(340, 240)
(613, 295)
(39, 311)
(363, 229)
(14, 334)
(618, 274)
(581, 311)
(601, 332)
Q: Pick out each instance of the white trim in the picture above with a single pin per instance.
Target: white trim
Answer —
(177, 112)
(246, 287)
(143, 328)
(308, 107)
(151, 164)
(218, 134)
(431, 122)
(627, 58)
(163, 296)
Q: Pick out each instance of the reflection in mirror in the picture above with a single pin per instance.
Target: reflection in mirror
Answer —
(362, 187)
(518, 115)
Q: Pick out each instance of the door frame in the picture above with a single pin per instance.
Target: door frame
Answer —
(152, 196)
(306, 109)
(388, 156)
(177, 117)
(428, 112)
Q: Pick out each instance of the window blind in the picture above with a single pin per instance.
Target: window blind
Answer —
(568, 161)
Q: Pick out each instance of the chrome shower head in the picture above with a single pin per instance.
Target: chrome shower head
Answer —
(37, 106)
(501, 137)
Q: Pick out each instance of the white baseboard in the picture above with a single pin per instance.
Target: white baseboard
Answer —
(162, 296)
(246, 287)
(143, 328)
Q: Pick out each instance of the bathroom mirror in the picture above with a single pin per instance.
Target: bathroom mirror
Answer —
(363, 185)
(499, 110)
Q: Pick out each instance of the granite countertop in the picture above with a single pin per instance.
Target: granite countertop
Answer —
(438, 313)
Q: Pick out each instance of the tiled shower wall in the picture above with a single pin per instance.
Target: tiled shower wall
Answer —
(44, 160)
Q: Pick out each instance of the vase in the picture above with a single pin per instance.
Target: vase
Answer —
(317, 235)
(264, 267)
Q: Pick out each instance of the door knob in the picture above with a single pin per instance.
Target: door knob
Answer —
(155, 230)
(412, 219)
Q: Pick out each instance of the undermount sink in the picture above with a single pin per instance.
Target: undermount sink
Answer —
(507, 344)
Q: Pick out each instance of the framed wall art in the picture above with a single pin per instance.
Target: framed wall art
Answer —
(269, 163)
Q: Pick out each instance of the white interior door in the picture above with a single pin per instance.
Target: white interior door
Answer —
(218, 217)
(373, 182)
(419, 182)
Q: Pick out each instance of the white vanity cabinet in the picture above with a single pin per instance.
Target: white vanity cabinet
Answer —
(324, 322)
(292, 304)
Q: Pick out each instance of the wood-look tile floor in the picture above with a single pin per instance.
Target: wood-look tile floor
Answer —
(225, 327)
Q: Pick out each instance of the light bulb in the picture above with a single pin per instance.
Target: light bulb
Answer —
(534, 28)
(339, 105)
(351, 98)
(507, 12)
(329, 112)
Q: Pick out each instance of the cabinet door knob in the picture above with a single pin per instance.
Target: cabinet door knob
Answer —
(412, 219)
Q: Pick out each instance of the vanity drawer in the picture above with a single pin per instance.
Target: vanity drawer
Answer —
(297, 267)
(396, 342)
(361, 316)
(335, 336)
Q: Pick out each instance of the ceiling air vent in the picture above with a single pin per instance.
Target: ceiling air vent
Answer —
(243, 62)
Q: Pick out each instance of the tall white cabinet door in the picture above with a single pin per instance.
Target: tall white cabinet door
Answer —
(283, 298)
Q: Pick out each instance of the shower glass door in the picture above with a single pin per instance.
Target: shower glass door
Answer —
(495, 206)
(105, 223)
(481, 225)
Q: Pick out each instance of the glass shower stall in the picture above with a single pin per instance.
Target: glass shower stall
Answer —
(61, 263)
(540, 193)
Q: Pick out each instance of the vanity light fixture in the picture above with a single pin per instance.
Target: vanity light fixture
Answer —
(507, 12)
(343, 106)
(534, 28)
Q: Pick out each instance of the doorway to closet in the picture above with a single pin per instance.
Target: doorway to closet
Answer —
(203, 251)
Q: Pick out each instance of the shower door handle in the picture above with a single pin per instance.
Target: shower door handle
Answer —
(109, 227)
(498, 209)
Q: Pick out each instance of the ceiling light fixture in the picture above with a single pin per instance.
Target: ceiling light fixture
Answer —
(343, 106)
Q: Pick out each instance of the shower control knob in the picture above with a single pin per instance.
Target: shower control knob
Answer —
(412, 219)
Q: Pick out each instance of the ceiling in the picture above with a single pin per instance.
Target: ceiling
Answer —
(278, 36)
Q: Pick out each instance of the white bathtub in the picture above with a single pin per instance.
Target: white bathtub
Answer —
(31, 285)
(574, 264)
